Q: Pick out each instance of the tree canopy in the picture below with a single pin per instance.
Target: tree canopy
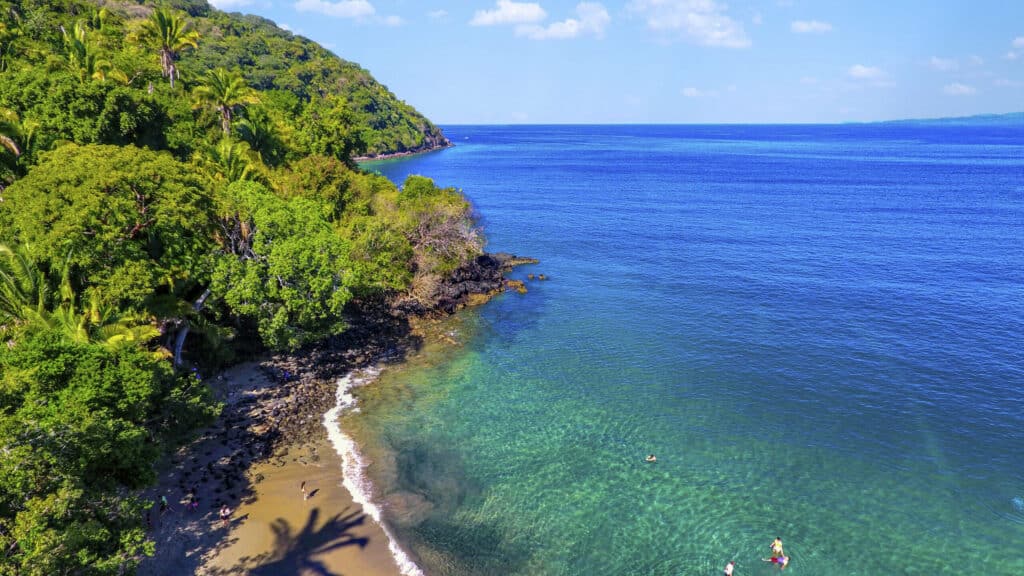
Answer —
(174, 179)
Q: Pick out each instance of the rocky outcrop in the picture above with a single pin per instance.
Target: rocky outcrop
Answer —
(431, 142)
(472, 283)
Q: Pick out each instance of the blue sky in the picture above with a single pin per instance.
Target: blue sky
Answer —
(669, 61)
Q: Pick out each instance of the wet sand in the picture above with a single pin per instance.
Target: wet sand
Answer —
(243, 462)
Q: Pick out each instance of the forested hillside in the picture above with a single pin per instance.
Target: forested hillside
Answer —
(176, 186)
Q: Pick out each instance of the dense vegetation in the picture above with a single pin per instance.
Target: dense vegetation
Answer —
(175, 181)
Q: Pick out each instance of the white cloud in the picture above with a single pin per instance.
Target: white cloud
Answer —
(1006, 83)
(509, 12)
(862, 72)
(227, 5)
(958, 89)
(1011, 55)
(338, 9)
(592, 18)
(392, 21)
(810, 27)
(702, 22)
(808, 80)
(437, 14)
(943, 64)
(757, 19)
(691, 92)
(1018, 42)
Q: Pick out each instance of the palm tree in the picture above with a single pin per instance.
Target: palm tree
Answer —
(82, 57)
(23, 288)
(171, 34)
(263, 134)
(224, 91)
(25, 299)
(229, 161)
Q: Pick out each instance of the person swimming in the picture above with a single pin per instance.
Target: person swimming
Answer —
(782, 561)
(729, 568)
(651, 458)
(777, 547)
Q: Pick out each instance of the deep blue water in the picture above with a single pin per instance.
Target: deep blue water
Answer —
(817, 329)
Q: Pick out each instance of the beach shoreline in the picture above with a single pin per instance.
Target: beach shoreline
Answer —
(238, 462)
(269, 439)
(274, 434)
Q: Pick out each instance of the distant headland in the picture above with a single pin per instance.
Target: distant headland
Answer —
(1009, 119)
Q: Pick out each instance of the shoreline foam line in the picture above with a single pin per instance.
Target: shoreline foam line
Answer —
(352, 466)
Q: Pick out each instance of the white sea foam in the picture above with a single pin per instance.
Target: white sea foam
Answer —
(354, 468)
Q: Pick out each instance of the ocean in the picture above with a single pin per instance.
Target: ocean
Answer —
(816, 329)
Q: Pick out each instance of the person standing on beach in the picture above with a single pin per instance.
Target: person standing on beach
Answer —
(302, 487)
(225, 514)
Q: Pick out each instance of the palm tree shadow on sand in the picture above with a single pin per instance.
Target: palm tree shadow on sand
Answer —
(296, 552)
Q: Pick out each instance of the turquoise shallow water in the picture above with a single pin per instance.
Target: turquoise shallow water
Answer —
(816, 329)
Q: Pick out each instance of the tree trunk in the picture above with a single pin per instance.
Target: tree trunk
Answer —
(179, 343)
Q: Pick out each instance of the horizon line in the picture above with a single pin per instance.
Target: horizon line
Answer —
(986, 115)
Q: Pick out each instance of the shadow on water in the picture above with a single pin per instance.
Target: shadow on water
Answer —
(478, 547)
(295, 551)
(431, 485)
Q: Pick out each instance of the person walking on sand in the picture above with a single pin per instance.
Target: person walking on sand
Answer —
(302, 487)
(729, 568)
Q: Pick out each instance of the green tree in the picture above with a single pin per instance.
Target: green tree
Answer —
(224, 91)
(8, 45)
(281, 265)
(27, 305)
(130, 222)
(24, 291)
(228, 161)
(262, 130)
(329, 128)
(10, 132)
(80, 423)
(170, 34)
(439, 225)
(83, 60)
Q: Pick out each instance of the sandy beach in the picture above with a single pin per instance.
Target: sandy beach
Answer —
(269, 439)
(251, 462)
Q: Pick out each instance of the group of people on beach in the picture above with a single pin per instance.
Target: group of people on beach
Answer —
(778, 557)
(193, 505)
